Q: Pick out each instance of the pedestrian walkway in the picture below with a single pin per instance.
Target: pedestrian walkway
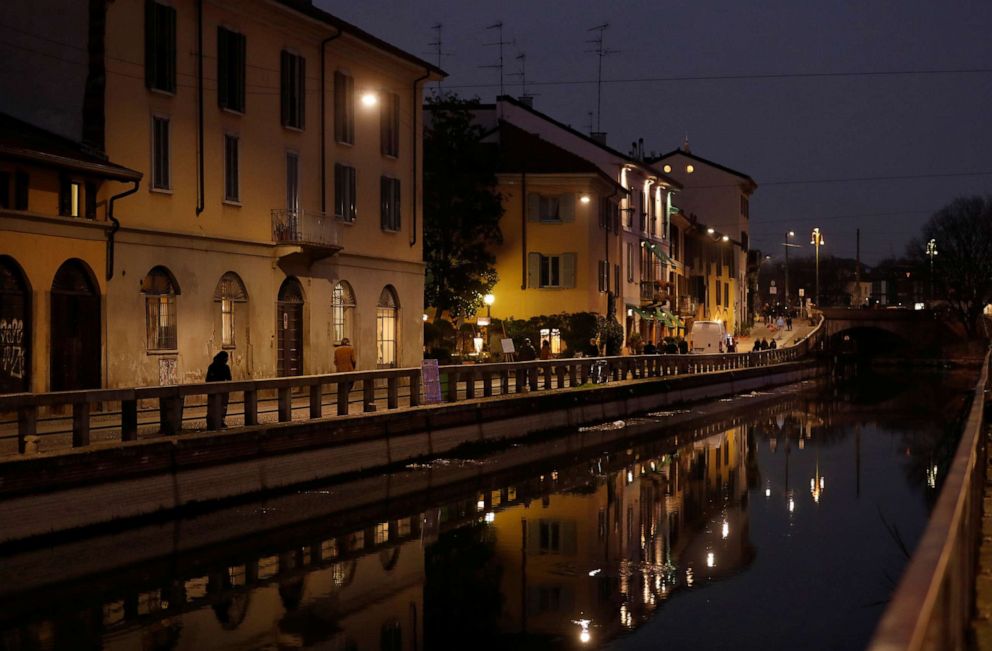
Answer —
(782, 337)
(982, 624)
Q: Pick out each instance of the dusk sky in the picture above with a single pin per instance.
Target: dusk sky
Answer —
(824, 150)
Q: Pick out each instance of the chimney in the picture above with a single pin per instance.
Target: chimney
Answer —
(598, 136)
(527, 100)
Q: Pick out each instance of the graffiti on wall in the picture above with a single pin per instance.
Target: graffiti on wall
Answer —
(11, 348)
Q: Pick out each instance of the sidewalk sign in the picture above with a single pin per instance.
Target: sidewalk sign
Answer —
(508, 350)
(431, 377)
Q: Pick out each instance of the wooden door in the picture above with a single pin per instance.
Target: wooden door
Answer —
(75, 330)
(289, 325)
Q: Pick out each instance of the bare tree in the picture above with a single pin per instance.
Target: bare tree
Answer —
(963, 269)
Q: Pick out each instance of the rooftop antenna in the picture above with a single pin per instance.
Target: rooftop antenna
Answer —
(600, 51)
(438, 50)
(522, 58)
(499, 42)
(589, 114)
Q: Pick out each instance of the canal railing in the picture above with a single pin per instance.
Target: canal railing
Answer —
(934, 603)
(129, 413)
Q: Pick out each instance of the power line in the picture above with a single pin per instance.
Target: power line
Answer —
(841, 217)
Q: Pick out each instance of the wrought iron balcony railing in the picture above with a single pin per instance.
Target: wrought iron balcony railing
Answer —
(305, 228)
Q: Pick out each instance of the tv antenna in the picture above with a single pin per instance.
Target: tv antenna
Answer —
(600, 51)
(438, 50)
(522, 58)
(499, 43)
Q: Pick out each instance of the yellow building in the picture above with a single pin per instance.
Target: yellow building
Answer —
(280, 208)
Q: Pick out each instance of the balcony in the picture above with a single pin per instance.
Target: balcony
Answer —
(686, 306)
(302, 235)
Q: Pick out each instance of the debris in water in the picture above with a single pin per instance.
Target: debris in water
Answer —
(605, 427)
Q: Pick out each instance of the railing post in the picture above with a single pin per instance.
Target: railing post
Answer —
(316, 408)
(214, 403)
(560, 372)
(392, 392)
(584, 371)
(170, 414)
(487, 384)
(285, 404)
(532, 376)
(415, 388)
(27, 425)
(504, 382)
(251, 407)
(368, 394)
(344, 391)
(452, 385)
(80, 424)
(129, 420)
(546, 369)
(470, 385)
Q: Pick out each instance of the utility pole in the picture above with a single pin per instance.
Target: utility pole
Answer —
(857, 267)
(931, 253)
(787, 244)
(817, 241)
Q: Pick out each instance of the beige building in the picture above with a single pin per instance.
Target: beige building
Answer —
(279, 209)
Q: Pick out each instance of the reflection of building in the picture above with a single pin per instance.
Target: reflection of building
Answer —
(275, 212)
(612, 550)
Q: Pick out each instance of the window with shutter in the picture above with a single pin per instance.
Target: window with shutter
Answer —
(4, 189)
(344, 192)
(566, 207)
(231, 70)
(533, 269)
(90, 200)
(389, 124)
(232, 190)
(160, 154)
(533, 206)
(292, 70)
(390, 194)
(568, 263)
(21, 182)
(160, 47)
(344, 108)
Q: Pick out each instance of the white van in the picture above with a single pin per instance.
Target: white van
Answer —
(708, 337)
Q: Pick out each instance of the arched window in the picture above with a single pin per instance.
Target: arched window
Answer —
(160, 289)
(385, 327)
(230, 290)
(342, 312)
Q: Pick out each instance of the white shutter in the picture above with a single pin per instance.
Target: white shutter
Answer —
(568, 270)
(566, 207)
(533, 207)
(533, 269)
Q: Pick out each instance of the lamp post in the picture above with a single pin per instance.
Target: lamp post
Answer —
(787, 244)
(817, 241)
(931, 253)
(488, 299)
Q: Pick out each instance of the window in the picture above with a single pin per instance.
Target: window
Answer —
(390, 193)
(230, 70)
(232, 191)
(293, 89)
(616, 279)
(604, 276)
(676, 254)
(160, 292)
(161, 176)
(344, 193)
(292, 183)
(630, 262)
(385, 328)
(21, 180)
(726, 294)
(550, 537)
(342, 312)
(4, 190)
(745, 209)
(69, 197)
(230, 290)
(389, 124)
(344, 108)
(553, 337)
(642, 214)
(160, 47)
(550, 271)
(552, 209)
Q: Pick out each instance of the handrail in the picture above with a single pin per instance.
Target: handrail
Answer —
(462, 382)
(934, 602)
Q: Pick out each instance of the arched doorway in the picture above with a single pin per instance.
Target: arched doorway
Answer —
(75, 330)
(289, 325)
(15, 328)
(386, 314)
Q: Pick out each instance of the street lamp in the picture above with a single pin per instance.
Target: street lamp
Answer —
(817, 241)
(488, 299)
(787, 244)
(931, 252)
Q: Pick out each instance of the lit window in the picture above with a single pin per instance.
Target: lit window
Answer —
(553, 336)
(342, 312)
(230, 290)
(385, 328)
(160, 309)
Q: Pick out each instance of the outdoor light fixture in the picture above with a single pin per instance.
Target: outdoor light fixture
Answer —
(690, 169)
(667, 168)
(370, 99)
(725, 238)
(585, 198)
(710, 231)
(488, 299)
(425, 317)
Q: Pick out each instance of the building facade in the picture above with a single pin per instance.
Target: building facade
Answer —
(279, 207)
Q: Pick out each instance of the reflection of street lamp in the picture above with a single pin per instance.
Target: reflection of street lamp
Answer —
(817, 241)
(816, 484)
(931, 252)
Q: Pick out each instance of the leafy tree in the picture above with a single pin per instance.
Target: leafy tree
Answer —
(462, 208)
(963, 267)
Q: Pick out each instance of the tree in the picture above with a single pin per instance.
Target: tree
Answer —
(963, 268)
(462, 208)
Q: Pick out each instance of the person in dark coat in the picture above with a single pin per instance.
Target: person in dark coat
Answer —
(650, 348)
(592, 350)
(757, 346)
(219, 371)
(772, 345)
(683, 346)
(527, 352)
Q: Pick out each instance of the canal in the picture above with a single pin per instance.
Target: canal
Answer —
(778, 520)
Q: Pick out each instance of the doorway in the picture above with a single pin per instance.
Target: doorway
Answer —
(75, 330)
(289, 325)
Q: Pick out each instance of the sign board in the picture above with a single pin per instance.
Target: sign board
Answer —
(773, 290)
(507, 345)
(430, 374)
(802, 292)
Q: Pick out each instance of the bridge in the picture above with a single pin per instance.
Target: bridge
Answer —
(883, 330)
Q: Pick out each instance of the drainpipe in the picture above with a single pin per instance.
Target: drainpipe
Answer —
(523, 228)
(323, 123)
(417, 112)
(200, 201)
(116, 226)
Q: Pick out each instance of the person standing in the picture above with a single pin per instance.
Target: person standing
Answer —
(344, 360)
(219, 371)
(545, 349)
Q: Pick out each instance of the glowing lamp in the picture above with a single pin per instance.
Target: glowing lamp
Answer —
(370, 99)
(585, 198)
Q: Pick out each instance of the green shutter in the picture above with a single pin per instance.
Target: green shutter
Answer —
(285, 88)
(566, 207)
(533, 207)
(568, 270)
(533, 269)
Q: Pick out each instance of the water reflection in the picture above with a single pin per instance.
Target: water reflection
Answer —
(574, 556)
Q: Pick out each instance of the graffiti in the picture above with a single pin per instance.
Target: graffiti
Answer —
(12, 348)
(167, 371)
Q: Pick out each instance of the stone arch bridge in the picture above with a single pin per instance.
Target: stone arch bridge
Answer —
(882, 329)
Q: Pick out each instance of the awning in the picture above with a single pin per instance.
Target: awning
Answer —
(655, 248)
(664, 317)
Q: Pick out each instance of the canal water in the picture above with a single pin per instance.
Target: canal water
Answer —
(765, 521)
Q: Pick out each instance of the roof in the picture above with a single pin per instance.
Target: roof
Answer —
(699, 159)
(23, 141)
(306, 8)
(522, 151)
(642, 164)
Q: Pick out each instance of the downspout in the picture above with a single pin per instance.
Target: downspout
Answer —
(116, 226)
(523, 228)
(200, 200)
(323, 123)
(417, 112)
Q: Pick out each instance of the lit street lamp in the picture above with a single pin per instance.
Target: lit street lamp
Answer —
(931, 252)
(817, 241)
(787, 244)
(488, 299)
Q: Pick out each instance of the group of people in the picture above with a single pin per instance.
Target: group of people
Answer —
(764, 344)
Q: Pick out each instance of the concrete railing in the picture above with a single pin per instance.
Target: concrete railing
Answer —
(934, 602)
(389, 388)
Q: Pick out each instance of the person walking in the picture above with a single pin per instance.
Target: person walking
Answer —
(344, 360)
(788, 322)
(219, 371)
(545, 349)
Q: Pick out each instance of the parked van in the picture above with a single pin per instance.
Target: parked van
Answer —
(708, 337)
